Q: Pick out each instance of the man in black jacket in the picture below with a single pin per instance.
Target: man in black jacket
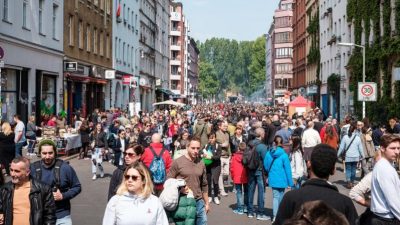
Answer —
(131, 155)
(322, 165)
(25, 200)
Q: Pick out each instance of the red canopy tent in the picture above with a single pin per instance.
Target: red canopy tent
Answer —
(300, 105)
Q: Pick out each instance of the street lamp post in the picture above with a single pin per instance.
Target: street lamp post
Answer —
(363, 74)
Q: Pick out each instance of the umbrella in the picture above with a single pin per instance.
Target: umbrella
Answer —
(170, 102)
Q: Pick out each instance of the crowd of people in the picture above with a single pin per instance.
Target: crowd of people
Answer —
(207, 152)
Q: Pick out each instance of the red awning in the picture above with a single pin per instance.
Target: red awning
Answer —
(300, 101)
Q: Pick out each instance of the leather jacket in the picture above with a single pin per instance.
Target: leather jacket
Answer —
(43, 208)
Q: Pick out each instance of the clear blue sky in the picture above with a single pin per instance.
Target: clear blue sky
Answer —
(243, 20)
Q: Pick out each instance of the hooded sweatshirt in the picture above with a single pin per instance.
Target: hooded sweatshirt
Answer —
(280, 172)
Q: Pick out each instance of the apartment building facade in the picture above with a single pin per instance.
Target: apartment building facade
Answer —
(31, 38)
(299, 48)
(123, 88)
(283, 51)
(269, 63)
(333, 30)
(88, 56)
(312, 48)
(193, 71)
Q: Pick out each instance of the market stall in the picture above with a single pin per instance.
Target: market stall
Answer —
(300, 105)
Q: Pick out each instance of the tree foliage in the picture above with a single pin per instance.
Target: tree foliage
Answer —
(238, 66)
(209, 83)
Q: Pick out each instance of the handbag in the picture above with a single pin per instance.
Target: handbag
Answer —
(343, 155)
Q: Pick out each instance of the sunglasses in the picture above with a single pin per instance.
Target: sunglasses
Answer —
(130, 154)
(134, 177)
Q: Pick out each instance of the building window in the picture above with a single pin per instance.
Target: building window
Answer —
(5, 10)
(283, 37)
(96, 2)
(24, 13)
(71, 30)
(102, 4)
(55, 12)
(9, 93)
(283, 52)
(283, 68)
(101, 43)
(95, 41)
(108, 46)
(88, 40)
(41, 3)
(123, 53)
(49, 93)
(80, 34)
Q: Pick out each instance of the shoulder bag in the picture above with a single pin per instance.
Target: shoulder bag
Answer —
(343, 155)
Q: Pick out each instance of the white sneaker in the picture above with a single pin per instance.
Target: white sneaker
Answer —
(102, 174)
(210, 199)
(216, 201)
(94, 177)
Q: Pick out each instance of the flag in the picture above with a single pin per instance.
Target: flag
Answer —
(119, 10)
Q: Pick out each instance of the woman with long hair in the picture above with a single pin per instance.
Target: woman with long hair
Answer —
(352, 150)
(100, 144)
(84, 131)
(297, 162)
(7, 146)
(181, 143)
(331, 137)
(134, 202)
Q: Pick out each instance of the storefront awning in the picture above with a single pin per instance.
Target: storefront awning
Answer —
(85, 79)
(165, 91)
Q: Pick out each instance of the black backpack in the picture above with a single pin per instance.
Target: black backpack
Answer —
(251, 159)
(57, 166)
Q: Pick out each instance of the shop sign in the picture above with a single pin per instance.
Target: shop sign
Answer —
(70, 66)
(110, 74)
(312, 90)
(126, 79)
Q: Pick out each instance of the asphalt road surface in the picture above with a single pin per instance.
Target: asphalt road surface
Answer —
(88, 207)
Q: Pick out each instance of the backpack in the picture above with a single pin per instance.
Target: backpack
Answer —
(57, 167)
(251, 159)
(157, 167)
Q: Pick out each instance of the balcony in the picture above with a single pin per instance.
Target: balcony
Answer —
(175, 77)
(175, 62)
(175, 47)
(175, 31)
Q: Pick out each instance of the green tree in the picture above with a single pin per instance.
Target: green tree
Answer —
(257, 66)
(208, 82)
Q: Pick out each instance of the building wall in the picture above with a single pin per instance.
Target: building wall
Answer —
(269, 62)
(94, 19)
(147, 60)
(312, 68)
(193, 69)
(283, 50)
(32, 40)
(162, 43)
(299, 44)
(125, 50)
(334, 29)
(177, 43)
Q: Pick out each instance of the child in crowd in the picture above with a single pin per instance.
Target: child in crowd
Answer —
(239, 177)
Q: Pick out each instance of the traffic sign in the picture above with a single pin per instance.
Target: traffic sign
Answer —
(367, 91)
(1, 53)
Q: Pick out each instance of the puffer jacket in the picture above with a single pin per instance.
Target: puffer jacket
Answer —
(43, 208)
(238, 172)
(277, 164)
(185, 214)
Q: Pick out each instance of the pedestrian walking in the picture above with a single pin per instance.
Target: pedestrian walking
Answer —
(192, 169)
(134, 203)
(322, 165)
(352, 151)
(240, 179)
(31, 130)
(297, 163)
(277, 165)
(385, 198)
(132, 154)
(7, 147)
(17, 196)
(309, 140)
(60, 176)
(99, 146)
(19, 131)
(211, 155)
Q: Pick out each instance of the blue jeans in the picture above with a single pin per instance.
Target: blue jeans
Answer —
(239, 198)
(64, 221)
(277, 195)
(351, 168)
(256, 178)
(18, 148)
(201, 215)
